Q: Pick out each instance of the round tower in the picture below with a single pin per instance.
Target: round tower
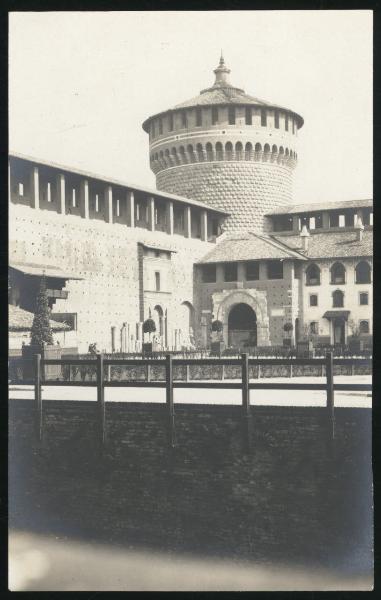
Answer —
(227, 149)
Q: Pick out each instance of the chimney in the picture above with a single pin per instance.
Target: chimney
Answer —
(359, 227)
(305, 235)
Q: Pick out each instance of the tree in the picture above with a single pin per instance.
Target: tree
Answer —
(217, 326)
(149, 327)
(354, 327)
(288, 327)
(41, 332)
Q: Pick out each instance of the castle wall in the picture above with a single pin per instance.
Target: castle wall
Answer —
(106, 257)
(247, 190)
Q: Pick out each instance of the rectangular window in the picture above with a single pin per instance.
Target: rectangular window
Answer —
(349, 220)
(341, 221)
(276, 119)
(160, 126)
(318, 221)
(314, 327)
(184, 120)
(252, 270)
(170, 122)
(214, 115)
(248, 116)
(21, 189)
(297, 271)
(231, 115)
(313, 300)
(364, 298)
(230, 271)
(275, 269)
(209, 273)
(157, 281)
(286, 123)
(293, 125)
(333, 220)
(153, 133)
(198, 117)
(364, 326)
(263, 117)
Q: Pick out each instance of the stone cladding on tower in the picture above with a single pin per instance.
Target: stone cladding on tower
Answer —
(228, 149)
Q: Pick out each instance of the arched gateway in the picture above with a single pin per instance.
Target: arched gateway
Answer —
(242, 307)
(242, 326)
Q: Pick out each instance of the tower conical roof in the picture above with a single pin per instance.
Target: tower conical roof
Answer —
(222, 92)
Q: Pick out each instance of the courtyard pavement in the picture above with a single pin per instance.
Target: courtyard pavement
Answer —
(210, 396)
(49, 563)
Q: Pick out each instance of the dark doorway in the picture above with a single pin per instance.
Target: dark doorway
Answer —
(242, 326)
(338, 332)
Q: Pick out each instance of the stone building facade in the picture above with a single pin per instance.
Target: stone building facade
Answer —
(219, 239)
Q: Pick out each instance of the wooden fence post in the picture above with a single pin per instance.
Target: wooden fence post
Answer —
(330, 394)
(37, 395)
(101, 400)
(169, 399)
(246, 399)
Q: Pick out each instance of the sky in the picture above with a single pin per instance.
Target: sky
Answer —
(82, 83)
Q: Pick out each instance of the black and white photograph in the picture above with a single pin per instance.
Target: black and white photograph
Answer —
(190, 300)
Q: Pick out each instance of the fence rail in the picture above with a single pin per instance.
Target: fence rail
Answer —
(244, 384)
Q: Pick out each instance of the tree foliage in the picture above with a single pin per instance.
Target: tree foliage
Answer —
(149, 326)
(217, 326)
(41, 332)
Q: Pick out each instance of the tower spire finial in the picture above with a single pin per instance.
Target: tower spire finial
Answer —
(221, 73)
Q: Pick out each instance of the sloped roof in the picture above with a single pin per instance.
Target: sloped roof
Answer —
(21, 320)
(223, 93)
(248, 246)
(337, 244)
(319, 206)
(39, 270)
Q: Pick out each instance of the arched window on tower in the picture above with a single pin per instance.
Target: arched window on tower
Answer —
(266, 149)
(229, 151)
(248, 151)
(239, 151)
(191, 155)
(175, 156)
(183, 158)
(363, 272)
(200, 153)
(337, 273)
(209, 151)
(219, 152)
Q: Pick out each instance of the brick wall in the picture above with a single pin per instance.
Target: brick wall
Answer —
(293, 497)
(247, 190)
(106, 257)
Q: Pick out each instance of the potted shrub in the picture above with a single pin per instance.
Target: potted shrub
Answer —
(148, 327)
(41, 338)
(217, 345)
(287, 328)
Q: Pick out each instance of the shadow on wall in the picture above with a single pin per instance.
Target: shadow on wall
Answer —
(293, 497)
